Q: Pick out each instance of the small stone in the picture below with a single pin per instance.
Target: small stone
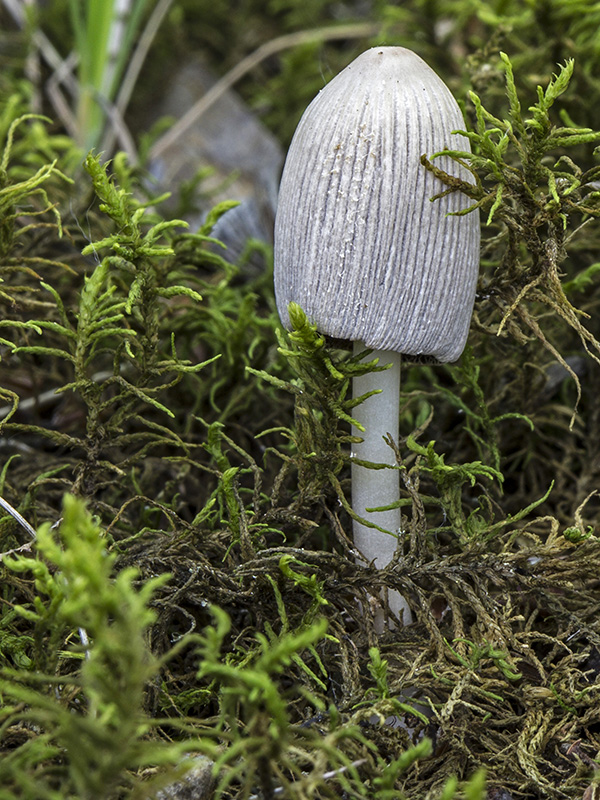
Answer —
(197, 785)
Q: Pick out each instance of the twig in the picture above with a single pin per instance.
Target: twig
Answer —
(62, 74)
(22, 548)
(61, 67)
(118, 130)
(326, 776)
(31, 531)
(49, 397)
(266, 50)
(135, 65)
(20, 519)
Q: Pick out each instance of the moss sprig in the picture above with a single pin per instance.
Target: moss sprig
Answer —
(538, 199)
(322, 406)
(24, 196)
(480, 422)
(87, 703)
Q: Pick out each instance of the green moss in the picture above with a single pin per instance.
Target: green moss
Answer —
(143, 372)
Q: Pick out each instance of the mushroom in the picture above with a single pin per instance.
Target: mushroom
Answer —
(369, 258)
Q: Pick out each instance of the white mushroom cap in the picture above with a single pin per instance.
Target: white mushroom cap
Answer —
(358, 243)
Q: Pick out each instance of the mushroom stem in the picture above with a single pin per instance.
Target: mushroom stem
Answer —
(379, 414)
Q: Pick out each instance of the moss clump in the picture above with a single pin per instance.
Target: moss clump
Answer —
(200, 595)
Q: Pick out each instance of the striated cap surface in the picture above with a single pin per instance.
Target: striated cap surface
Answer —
(358, 243)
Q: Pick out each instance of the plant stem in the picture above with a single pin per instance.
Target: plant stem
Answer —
(372, 488)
